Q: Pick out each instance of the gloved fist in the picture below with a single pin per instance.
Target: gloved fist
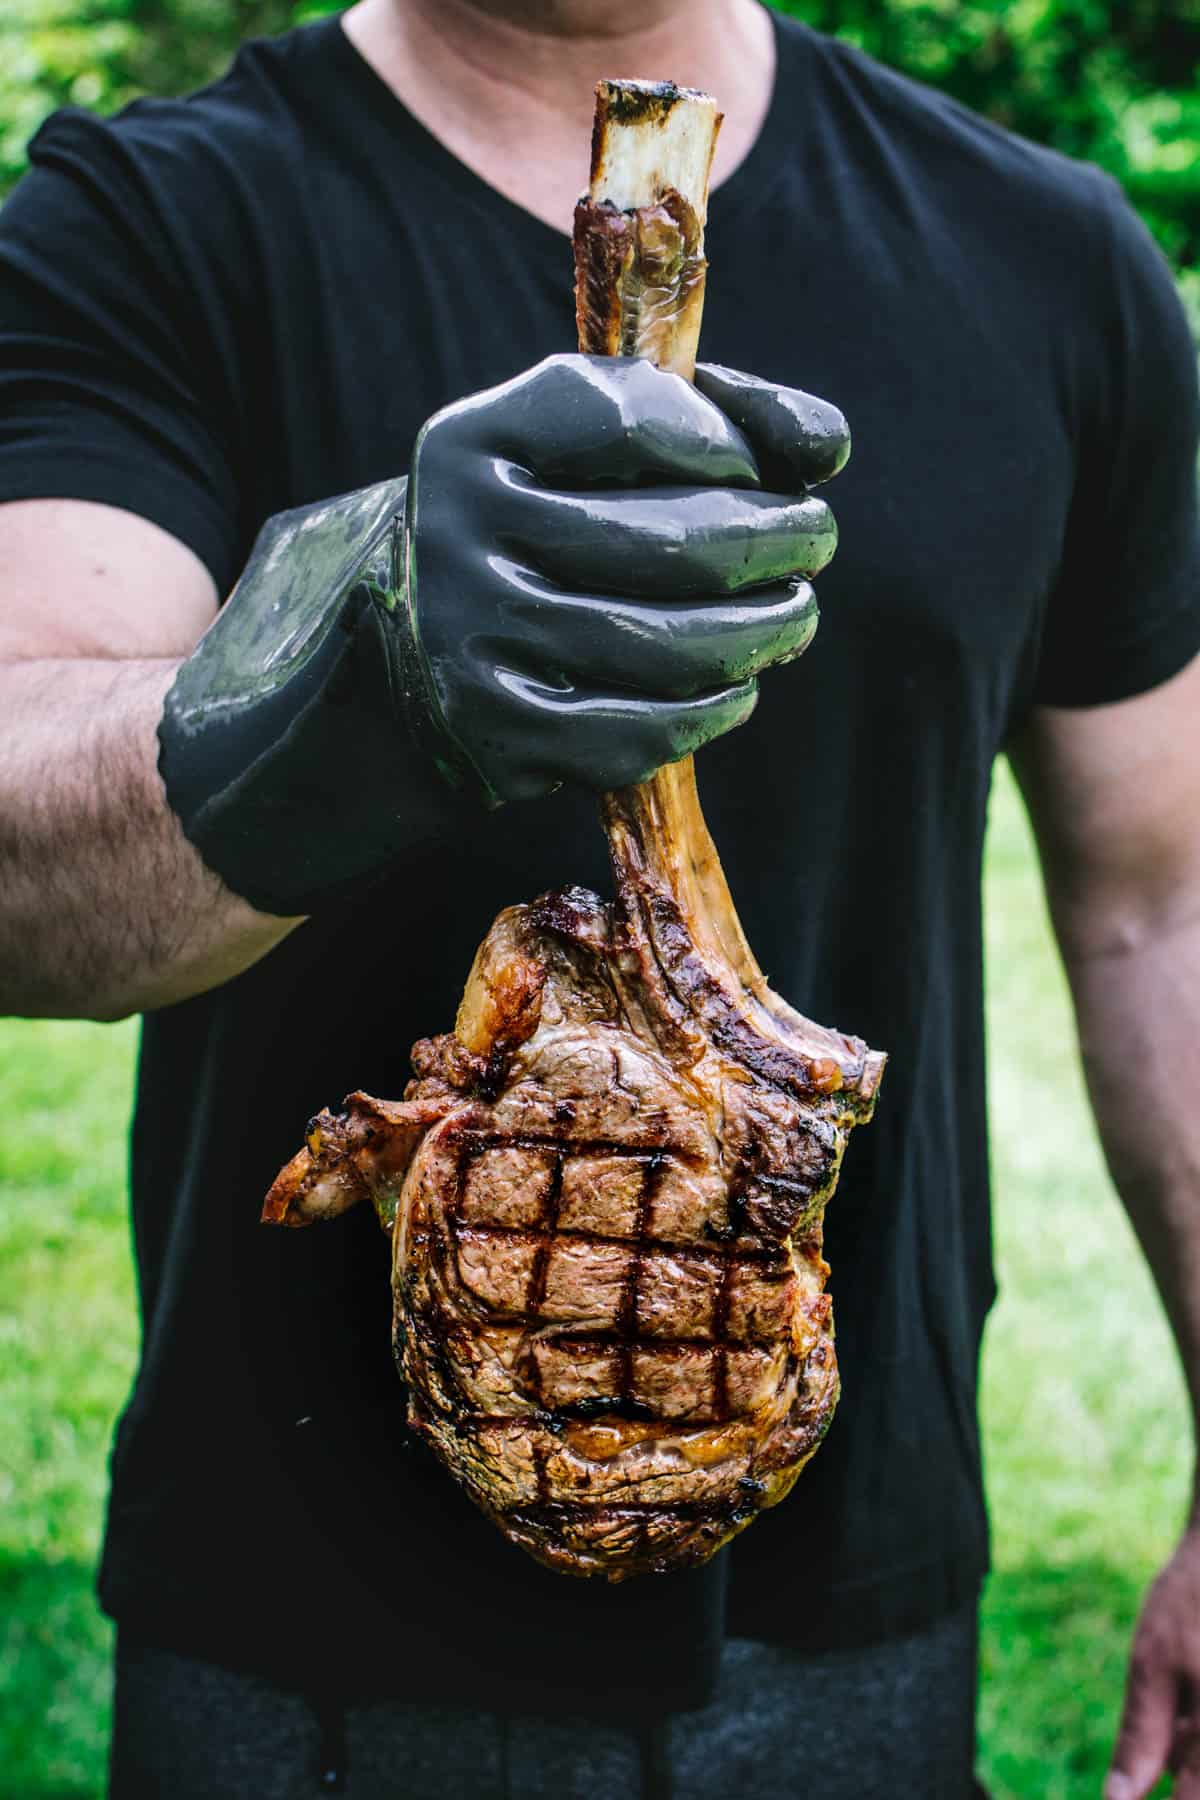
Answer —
(603, 558)
(589, 569)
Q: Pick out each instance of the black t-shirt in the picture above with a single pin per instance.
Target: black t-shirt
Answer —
(216, 308)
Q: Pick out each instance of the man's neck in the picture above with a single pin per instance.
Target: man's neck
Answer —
(507, 85)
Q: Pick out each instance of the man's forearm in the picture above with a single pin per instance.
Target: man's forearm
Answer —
(105, 908)
(1114, 794)
(1138, 1006)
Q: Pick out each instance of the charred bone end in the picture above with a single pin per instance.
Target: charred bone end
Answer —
(648, 136)
(639, 230)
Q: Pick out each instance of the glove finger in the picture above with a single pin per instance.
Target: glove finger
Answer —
(664, 543)
(601, 740)
(799, 440)
(668, 652)
(578, 420)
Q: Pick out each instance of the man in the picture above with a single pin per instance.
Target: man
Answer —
(214, 311)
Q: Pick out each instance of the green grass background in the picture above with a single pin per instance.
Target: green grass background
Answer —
(1083, 1406)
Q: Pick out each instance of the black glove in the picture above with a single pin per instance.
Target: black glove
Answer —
(594, 563)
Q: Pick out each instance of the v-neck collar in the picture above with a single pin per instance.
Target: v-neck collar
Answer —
(741, 192)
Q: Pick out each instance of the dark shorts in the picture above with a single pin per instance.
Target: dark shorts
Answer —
(897, 1718)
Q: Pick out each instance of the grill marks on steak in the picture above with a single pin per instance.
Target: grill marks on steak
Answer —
(607, 1188)
(587, 1344)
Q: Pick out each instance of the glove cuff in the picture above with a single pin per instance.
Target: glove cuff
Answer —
(298, 745)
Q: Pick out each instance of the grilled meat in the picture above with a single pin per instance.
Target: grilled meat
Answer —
(605, 1192)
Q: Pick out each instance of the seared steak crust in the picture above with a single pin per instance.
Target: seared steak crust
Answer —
(607, 1189)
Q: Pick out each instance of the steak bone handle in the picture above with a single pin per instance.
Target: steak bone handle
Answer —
(639, 291)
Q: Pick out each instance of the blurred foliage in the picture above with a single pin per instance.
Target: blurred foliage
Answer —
(102, 53)
(1115, 81)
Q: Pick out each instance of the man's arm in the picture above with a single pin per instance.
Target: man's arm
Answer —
(293, 754)
(105, 908)
(1114, 795)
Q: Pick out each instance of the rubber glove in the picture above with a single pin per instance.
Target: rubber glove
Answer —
(581, 580)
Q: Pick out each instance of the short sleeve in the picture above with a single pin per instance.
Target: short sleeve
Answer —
(102, 385)
(1125, 611)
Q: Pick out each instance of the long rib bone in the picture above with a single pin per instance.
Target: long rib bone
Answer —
(639, 229)
(639, 291)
